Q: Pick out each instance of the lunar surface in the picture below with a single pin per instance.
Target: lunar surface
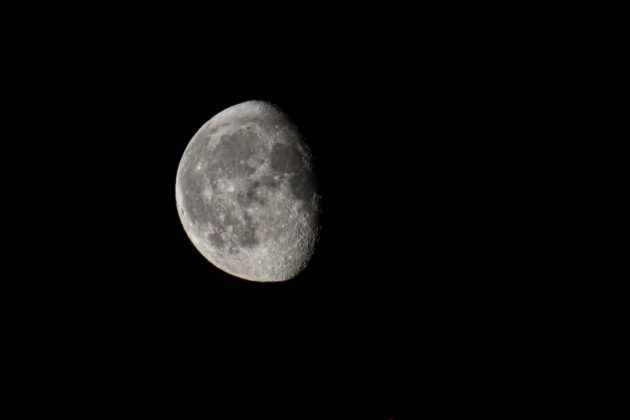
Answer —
(247, 195)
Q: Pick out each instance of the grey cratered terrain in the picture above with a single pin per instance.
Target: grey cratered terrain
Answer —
(246, 193)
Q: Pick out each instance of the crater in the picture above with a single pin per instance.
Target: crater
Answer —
(233, 228)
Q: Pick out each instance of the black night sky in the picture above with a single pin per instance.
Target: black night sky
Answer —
(414, 287)
(400, 281)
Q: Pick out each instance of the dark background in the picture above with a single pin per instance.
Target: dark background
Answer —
(407, 278)
(428, 279)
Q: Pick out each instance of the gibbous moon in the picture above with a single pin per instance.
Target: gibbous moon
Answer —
(247, 195)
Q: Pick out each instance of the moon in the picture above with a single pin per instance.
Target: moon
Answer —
(247, 195)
